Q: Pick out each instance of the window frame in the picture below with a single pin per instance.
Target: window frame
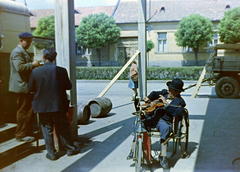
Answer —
(215, 38)
(187, 49)
(163, 50)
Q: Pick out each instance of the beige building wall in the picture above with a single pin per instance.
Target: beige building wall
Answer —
(174, 56)
(118, 54)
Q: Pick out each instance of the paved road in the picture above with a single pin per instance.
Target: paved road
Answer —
(213, 142)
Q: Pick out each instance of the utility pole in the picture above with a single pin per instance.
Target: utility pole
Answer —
(142, 48)
(65, 47)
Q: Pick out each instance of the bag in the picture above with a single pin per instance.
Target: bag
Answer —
(130, 84)
(135, 77)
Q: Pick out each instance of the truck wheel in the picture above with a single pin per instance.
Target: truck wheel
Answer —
(227, 87)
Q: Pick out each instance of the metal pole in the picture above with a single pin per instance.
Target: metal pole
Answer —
(65, 47)
(142, 48)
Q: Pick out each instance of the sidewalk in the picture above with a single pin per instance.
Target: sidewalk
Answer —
(106, 141)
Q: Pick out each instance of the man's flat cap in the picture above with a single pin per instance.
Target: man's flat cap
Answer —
(25, 35)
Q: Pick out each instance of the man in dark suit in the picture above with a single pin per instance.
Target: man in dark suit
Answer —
(50, 82)
(21, 68)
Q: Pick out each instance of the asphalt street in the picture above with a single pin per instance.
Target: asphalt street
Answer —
(106, 141)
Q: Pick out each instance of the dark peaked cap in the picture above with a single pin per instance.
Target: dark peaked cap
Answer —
(25, 35)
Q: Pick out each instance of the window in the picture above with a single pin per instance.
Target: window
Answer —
(214, 40)
(227, 6)
(187, 49)
(162, 42)
(80, 50)
(83, 51)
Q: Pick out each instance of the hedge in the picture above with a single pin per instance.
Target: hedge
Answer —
(153, 73)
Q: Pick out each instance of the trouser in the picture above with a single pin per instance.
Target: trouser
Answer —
(1, 107)
(25, 114)
(59, 119)
(164, 127)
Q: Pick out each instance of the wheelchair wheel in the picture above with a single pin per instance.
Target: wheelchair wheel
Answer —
(182, 135)
(138, 155)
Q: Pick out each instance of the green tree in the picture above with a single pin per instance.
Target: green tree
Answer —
(194, 31)
(45, 28)
(150, 46)
(96, 31)
(229, 26)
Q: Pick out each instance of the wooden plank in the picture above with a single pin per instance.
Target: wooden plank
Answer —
(226, 66)
(118, 74)
(7, 131)
(228, 46)
(224, 46)
(228, 58)
(200, 80)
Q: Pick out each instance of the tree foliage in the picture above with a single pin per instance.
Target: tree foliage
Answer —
(229, 26)
(150, 45)
(96, 31)
(194, 31)
(45, 28)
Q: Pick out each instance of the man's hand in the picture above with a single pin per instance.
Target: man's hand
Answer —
(161, 97)
(146, 99)
(36, 63)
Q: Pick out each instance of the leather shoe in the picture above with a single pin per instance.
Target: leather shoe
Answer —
(75, 152)
(51, 157)
(164, 162)
(25, 139)
(130, 156)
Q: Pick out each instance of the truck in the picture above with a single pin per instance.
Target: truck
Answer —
(223, 70)
(14, 19)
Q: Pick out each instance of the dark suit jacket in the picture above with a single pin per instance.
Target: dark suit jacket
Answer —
(49, 82)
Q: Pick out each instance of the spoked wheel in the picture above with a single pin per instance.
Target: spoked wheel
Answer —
(138, 155)
(182, 134)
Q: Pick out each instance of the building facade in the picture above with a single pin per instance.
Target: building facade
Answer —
(162, 22)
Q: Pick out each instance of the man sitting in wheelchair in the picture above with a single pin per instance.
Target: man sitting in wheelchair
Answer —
(162, 117)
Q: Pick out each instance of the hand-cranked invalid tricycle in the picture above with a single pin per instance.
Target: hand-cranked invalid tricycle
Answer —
(142, 153)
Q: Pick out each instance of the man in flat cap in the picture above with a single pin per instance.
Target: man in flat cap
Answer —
(21, 68)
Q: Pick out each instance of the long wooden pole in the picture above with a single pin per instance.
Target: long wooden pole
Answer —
(119, 74)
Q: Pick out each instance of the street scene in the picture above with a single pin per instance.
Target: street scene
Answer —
(64, 56)
(106, 141)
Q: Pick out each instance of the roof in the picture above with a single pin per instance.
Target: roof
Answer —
(174, 10)
(82, 12)
(161, 10)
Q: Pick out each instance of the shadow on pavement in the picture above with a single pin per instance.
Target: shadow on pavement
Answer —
(107, 115)
(90, 160)
(122, 105)
(192, 146)
(219, 144)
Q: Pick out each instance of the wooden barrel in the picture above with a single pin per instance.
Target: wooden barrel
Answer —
(83, 113)
(100, 106)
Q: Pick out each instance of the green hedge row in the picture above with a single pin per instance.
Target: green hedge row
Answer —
(153, 73)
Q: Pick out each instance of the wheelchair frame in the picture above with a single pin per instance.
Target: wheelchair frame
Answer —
(142, 148)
